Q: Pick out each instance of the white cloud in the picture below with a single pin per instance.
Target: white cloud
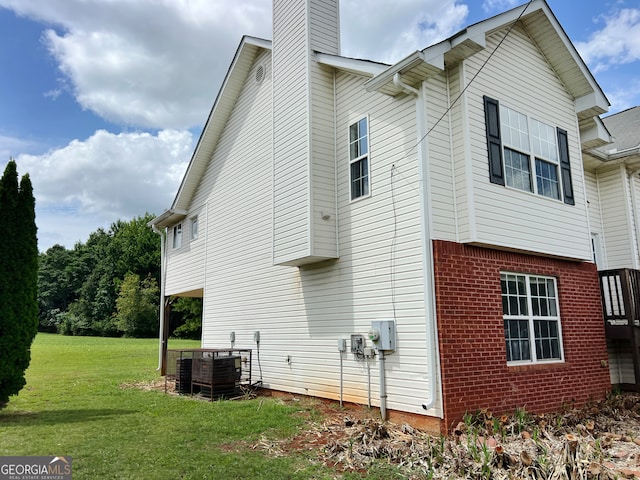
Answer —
(104, 178)
(159, 63)
(618, 42)
(146, 63)
(499, 5)
(388, 31)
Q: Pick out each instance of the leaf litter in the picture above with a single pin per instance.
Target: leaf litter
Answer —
(599, 441)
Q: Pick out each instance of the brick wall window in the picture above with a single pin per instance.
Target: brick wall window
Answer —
(531, 316)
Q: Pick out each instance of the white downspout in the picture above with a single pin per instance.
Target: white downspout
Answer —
(163, 236)
(427, 244)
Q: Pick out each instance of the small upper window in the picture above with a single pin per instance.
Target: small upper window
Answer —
(527, 154)
(194, 228)
(177, 236)
(359, 159)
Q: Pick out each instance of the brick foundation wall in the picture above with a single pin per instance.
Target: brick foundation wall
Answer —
(471, 334)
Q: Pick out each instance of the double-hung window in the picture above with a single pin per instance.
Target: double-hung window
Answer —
(359, 159)
(177, 236)
(527, 154)
(194, 228)
(531, 318)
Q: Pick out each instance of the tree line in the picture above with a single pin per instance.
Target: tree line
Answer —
(109, 286)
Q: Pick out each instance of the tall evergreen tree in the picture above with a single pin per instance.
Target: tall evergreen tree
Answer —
(18, 281)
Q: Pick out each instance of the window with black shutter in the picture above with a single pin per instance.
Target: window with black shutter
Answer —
(526, 153)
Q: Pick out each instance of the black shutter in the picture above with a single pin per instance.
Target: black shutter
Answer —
(494, 144)
(565, 167)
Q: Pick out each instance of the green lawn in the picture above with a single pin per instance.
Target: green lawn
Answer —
(74, 404)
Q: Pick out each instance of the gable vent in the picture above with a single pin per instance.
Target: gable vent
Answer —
(260, 74)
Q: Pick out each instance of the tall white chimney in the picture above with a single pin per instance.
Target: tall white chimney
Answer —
(304, 178)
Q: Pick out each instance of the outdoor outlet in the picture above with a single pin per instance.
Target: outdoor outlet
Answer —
(232, 337)
(256, 336)
(342, 344)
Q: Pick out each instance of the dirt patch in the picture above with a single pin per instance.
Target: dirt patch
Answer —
(156, 384)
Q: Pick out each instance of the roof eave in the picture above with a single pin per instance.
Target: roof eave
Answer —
(594, 134)
(418, 65)
(355, 66)
(168, 218)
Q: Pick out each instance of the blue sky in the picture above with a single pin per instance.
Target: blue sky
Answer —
(102, 101)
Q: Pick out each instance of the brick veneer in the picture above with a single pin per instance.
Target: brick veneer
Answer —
(471, 335)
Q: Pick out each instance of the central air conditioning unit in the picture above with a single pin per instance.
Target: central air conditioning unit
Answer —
(215, 374)
(211, 373)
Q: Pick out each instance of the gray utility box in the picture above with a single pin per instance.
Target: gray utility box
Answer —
(386, 330)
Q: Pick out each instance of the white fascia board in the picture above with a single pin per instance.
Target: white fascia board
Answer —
(595, 134)
(406, 64)
(595, 102)
(167, 218)
(256, 42)
(351, 65)
(434, 55)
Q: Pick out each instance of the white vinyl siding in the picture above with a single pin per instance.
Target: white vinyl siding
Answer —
(615, 203)
(185, 270)
(302, 312)
(322, 209)
(291, 149)
(510, 218)
(185, 266)
(324, 25)
(595, 219)
(303, 135)
(440, 150)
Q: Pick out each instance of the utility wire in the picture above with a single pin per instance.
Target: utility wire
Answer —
(455, 100)
(394, 168)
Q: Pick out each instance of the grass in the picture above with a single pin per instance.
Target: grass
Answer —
(74, 405)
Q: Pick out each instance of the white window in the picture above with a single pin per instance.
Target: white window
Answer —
(527, 154)
(177, 236)
(359, 159)
(531, 317)
(530, 150)
(194, 228)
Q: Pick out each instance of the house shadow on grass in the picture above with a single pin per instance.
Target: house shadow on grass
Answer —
(58, 417)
